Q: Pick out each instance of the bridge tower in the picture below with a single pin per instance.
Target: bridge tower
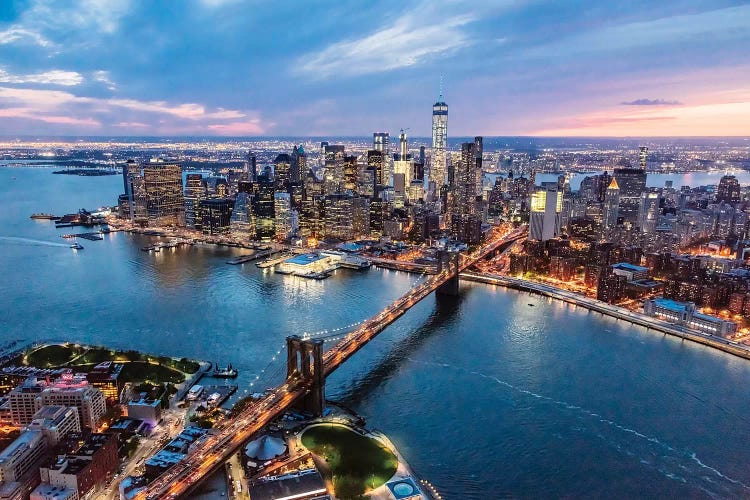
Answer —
(304, 359)
(449, 261)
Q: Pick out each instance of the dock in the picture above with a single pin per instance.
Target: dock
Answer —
(251, 257)
(86, 236)
(157, 247)
(275, 260)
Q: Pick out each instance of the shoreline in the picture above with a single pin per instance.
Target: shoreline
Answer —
(617, 312)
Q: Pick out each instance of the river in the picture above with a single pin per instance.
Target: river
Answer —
(494, 393)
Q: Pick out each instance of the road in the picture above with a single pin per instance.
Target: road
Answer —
(612, 310)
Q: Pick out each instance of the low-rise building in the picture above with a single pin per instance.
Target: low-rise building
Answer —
(19, 462)
(685, 314)
(105, 377)
(49, 492)
(85, 468)
(147, 410)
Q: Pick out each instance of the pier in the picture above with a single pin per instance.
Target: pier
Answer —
(252, 256)
(86, 236)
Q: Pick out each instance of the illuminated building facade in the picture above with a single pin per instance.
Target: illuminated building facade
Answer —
(439, 164)
(215, 216)
(611, 206)
(632, 182)
(729, 190)
(195, 192)
(165, 203)
(544, 217)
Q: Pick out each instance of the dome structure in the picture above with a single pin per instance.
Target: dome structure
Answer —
(265, 448)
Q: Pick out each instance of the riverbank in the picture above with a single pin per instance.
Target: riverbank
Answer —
(640, 319)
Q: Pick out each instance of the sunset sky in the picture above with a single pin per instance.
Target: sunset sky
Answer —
(314, 67)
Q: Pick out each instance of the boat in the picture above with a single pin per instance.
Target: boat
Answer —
(214, 398)
(228, 372)
(76, 246)
(44, 216)
(194, 392)
(530, 304)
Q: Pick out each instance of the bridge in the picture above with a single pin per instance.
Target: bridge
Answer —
(307, 368)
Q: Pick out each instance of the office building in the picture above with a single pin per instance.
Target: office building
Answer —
(339, 215)
(147, 410)
(299, 164)
(284, 222)
(84, 468)
(55, 423)
(216, 216)
(105, 377)
(544, 217)
(643, 157)
(165, 203)
(728, 190)
(195, 193)
(333, 170)
(75, 391)
(264, 211)
(438, 173)
(381, 142)
(19, 464)
(686, 314)
(282, 170)
(632, 182)
(402, 161)
(242, 220)
(649, 210)
(611, 206)
(376, 160)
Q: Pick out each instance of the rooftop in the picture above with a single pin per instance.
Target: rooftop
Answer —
(305, 259)
(630, 267)
(24, 441)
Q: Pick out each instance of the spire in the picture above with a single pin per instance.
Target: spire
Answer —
(440, 99)
(613, 184)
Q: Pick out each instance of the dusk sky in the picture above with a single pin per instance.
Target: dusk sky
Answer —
(235, 67)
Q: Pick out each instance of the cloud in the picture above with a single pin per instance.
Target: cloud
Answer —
(15, 34)
(53, 77)
(103, 77)
(411, 40)
(61, 107)
(651, 102)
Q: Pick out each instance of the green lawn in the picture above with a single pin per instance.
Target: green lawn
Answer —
(52, 355)
(357, 463)
(139, 371)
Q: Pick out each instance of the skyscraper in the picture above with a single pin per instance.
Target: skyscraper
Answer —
(728, 190)
(611, 206)
(648, 210)
(479, 151)
(195, 192)
(165, 204)
(546, 205)
(381, 142)
(439, 166)
(402, 159)
(251, 166)
(643, 157)
(376, 160)
(632, 182)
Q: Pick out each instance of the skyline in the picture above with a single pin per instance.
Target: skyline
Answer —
(238, 68)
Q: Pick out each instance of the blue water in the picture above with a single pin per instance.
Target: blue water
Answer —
(484, 395)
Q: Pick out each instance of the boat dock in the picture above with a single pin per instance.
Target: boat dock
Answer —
(86, 236)
(157, 247)
(274, 260)
(260, 254)
(223, 391)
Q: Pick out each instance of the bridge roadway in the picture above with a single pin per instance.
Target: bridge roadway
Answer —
(210, 453)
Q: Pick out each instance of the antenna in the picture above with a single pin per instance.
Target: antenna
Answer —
(441, 87)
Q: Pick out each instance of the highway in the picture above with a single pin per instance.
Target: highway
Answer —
(641, 319)
(213, 450)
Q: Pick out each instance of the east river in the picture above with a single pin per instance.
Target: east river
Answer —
(492, 394)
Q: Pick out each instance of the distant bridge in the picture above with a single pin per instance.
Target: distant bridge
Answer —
(307, 368)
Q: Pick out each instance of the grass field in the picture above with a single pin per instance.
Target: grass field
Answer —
(137, 367)
(358, 463)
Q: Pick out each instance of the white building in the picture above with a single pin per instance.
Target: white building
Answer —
(55, 422)
(546, 206)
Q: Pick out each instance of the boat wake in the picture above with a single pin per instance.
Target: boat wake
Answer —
(13, 240)
(678, 465)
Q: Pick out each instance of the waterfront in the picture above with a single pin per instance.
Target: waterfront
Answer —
(484, 395)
